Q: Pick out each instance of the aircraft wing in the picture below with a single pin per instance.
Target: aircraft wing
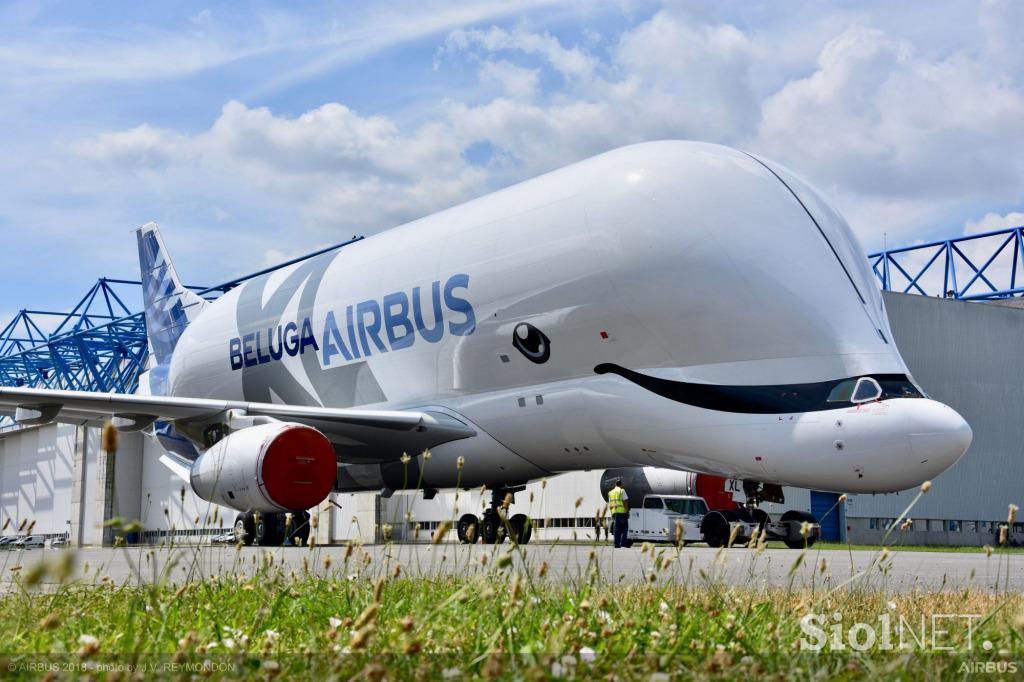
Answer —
(358, 435)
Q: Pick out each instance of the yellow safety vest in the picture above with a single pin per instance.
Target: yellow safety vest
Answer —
(616, 505)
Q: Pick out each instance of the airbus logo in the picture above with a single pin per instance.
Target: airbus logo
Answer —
(364, 329)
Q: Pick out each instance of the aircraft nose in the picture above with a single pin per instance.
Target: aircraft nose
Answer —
(940, 437)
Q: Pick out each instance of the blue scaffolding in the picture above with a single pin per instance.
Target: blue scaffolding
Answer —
(100, 345)
(949, 268)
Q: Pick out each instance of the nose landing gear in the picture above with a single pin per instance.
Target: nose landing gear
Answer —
(496, 525)
(732, 527)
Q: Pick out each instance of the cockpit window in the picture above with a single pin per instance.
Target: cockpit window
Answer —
(899, 388)
(843, 392)
(867, 389)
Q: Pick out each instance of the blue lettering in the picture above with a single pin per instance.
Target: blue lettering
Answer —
(263, 359)
(333, 345)
(399, 319)
(291, 339)
(247, 351)
(434, 334)
(373, 329)
(307, 337)
(275, 354)
(459, 305)
(351, 332)
(235, 353)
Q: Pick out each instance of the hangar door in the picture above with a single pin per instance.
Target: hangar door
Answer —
(825, 508)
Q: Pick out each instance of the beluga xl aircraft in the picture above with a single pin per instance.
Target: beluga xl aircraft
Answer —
(642, 308)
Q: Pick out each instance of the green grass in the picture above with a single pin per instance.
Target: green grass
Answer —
(506, 618)
(348, 615)
(911, 548)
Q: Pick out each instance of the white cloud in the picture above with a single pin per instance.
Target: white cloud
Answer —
(901, 131)
(991, 222)
(515, 82)
(884, 127)
(337, 168)
(139, 147)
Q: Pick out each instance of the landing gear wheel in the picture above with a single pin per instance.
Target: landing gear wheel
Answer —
(794, 519)
(299, 532)
(715, 529)
(492, 530)
(468, 529)
(266, 530)
(520, 529)
(244, 528)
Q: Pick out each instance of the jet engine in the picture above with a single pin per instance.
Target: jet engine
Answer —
(640, 481)
(275, 467)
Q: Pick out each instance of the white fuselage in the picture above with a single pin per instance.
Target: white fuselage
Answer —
(685, 262)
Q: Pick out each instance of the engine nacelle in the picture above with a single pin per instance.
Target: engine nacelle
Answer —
(640, 481)
(273, 467)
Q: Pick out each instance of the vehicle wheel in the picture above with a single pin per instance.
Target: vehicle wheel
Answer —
(520, 529)
(300, 528)
(492, 530)
(715, 529)
(468, 529)
(794, 518)
(245, 531)
(266, 531)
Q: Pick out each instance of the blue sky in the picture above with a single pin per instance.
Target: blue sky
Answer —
(256, 131)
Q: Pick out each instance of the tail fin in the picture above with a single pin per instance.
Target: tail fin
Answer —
(169, 305)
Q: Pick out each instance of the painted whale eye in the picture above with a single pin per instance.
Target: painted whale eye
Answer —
(531, 342)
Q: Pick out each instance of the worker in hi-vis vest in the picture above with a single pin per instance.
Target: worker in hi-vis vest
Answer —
(618, 506)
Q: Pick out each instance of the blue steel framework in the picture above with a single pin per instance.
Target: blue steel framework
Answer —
(916, 269)
(99, 346)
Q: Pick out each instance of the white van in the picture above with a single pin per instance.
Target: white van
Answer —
(655, 519)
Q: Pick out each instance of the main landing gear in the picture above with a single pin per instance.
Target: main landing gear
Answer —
(268, 529)
(496, 525)
(737, 527)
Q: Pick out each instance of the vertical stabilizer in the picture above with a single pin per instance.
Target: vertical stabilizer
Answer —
(169, 305)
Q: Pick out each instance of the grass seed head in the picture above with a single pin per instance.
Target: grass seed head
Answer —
(51, 622)
(89, 645)
(460, 462)
(367, 617)
(926, 486)
(1012, 515)
(736, 531)
(441, 532)
(109, 439)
